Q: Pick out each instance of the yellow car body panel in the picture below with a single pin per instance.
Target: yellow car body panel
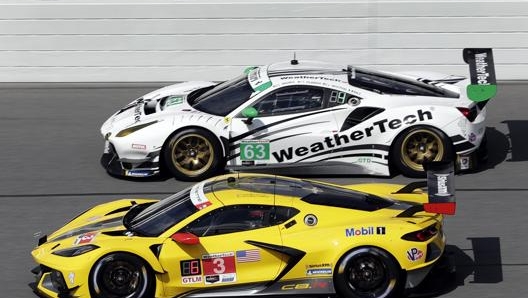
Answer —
(296, 255)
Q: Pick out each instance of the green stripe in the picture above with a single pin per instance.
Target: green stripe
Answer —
(263, 87)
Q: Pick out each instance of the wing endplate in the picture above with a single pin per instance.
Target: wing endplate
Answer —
(440, 187)
(482, 73)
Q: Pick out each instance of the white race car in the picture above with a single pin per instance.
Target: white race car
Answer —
(311, 117)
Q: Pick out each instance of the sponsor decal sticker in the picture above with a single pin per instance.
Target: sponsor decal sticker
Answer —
(254, 150)
(320, 271)
(198, 197)
(85, 238)
(250, 255)
(139, 146)
(464, 162)
(71, 278)
(219, 267)
(306, 285)
(322, 265)
(137, 173)
(364, 160)
(211, 279)
(339, 140)
(362, 231)
(441, 182)
(192, 279)
(174, 100)
(414, 254)
(137, 110)
(258, 79)
(228, 277)
(472, 137)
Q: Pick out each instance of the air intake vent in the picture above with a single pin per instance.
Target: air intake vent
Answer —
(359, 115)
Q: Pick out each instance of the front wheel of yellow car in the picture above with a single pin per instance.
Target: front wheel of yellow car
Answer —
(367, 272)
(121, 275)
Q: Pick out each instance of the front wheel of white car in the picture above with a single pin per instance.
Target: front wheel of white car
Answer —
(192, 154)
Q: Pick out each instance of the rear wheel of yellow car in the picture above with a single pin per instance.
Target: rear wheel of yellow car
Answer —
(367, 272)
(418, 145)
(121, 275)
(192, 154)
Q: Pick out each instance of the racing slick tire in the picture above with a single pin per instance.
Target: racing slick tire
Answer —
(119, 275)
(368, 272)
(417, 145)
(192, 154)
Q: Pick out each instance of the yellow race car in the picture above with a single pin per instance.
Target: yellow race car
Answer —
(251, 234)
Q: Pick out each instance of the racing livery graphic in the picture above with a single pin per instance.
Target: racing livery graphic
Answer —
(253, 237)
(305, 116)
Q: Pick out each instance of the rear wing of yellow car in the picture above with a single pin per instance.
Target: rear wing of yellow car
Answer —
(440, 188)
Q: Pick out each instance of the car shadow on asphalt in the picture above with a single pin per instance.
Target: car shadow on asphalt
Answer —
(517, 139)
(458, 267)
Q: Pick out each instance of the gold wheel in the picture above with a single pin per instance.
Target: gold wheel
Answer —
(192, 154)
(420, 146)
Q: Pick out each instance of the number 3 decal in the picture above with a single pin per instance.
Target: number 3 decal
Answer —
(219, 266)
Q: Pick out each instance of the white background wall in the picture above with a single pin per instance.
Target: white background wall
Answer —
(173, 40)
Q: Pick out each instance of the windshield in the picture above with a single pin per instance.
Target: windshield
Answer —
(159, 217)
(224, 97)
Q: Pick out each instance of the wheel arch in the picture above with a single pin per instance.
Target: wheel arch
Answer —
(169, 137)
(367, 246)
(406, 129)
(153, 268)
(402, 273)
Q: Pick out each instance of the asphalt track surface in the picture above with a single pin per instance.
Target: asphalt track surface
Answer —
(49, 172)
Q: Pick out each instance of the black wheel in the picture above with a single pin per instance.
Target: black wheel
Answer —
(121, 275)
(418, 145)
(192, 155)
(367, 273)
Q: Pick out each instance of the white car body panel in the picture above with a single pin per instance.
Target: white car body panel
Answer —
(309, 139)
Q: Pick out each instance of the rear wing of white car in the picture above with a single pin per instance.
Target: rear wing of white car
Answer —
(440, 188)
(482, 73)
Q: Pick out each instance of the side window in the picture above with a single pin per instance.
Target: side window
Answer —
(239, 218)
(290, 100)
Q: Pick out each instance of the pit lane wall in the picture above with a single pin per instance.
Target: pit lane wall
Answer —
(176, 40)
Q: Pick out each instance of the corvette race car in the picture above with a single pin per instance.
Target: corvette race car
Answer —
(252, 234)
(313, 116)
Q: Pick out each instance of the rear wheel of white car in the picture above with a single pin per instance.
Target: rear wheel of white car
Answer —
(418, 145)
(367, 272)
(192, 155)
(121, 275)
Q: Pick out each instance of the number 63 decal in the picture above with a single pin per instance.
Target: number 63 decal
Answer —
(254, 150)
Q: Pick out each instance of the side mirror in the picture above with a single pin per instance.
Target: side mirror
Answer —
(249, 113)
(186, 238)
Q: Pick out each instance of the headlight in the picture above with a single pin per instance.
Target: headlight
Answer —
(75, 251)
(126, 132)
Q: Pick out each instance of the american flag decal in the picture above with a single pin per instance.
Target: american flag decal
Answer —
(250, 255)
